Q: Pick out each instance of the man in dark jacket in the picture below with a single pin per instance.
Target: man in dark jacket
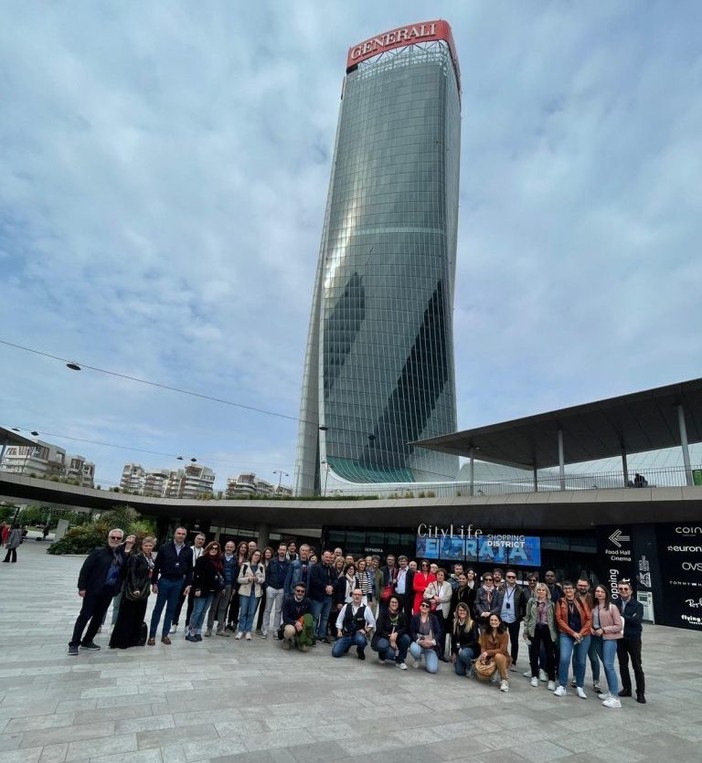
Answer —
(630, 644)
(298, 624)
(276, 571)
(100, 578)
(512, 603)
(172, 574)
(320, 591)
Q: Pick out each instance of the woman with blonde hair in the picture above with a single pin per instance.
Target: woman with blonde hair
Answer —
(465, 640)
(438, 593)
(540, 630)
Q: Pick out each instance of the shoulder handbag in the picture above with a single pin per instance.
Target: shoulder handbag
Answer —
(484, 670)
(138, 595)
(387, 592)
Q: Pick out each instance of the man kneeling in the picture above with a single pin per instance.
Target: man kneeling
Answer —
(354, 622)
(298, 623)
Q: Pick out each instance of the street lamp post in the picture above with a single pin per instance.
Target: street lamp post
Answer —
(280, 474)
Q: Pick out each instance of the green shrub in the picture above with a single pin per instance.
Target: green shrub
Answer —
(84, 538)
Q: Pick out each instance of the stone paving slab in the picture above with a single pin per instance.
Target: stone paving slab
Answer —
(237, 701)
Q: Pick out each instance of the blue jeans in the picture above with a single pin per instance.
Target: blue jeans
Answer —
(593, 654)
(320, 612)
(464, 661)
(343, 644)
(386, 652)
(569, 648)
(431, 659)
(606, 649)
(200, 607)
(247, 610)
(169, 592)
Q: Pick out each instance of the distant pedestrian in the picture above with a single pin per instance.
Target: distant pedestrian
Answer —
(99, 580)
(13, 541)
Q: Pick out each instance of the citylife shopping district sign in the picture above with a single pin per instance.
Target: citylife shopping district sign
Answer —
(465, 543)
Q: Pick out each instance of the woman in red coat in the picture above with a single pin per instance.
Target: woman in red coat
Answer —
(422, 578)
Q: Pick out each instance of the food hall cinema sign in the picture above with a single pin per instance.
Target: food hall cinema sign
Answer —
(426, 31)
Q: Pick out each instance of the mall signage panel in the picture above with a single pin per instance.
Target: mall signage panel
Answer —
(463, 543)
(680, 561)
(615, 556)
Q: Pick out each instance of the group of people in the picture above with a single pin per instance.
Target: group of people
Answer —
(406, 611)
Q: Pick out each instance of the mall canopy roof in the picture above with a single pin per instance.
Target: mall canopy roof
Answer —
(634, 423)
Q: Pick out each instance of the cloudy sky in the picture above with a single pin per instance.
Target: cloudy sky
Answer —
(163, 176)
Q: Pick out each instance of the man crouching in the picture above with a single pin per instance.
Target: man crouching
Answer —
(354, 622)
(298, 623)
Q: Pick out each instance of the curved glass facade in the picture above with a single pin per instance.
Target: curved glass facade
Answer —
(379, 369)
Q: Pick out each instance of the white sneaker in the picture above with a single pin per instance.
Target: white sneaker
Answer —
(551, 685)
(580, 692)
(573, 683)
(401, 665)
(527, 674)
(612, 702)
(249, 637)
(239, 634)
(264, 634)
(604, 696)
(597, 688)
(174, 628)
(542, 675)
(560, 691)
(504, 686)
(534, 681)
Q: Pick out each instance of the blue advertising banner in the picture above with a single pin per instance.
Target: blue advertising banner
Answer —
(512, 550)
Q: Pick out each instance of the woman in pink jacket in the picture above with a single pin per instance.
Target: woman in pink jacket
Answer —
(607, 628)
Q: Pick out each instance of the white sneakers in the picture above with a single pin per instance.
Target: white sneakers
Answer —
(239, 634)
(527, 673)
(249, 637)
(560, 691)
(551, 685)
(542, 675)
(504, 685)
(401, 665)
(580, 692)
(534, 681)
(612, 702)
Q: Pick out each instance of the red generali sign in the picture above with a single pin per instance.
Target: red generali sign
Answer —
(426, 31)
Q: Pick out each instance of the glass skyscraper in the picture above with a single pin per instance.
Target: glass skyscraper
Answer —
(379, 369)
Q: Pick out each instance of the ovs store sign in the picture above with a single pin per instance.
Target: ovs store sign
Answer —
(680, 559)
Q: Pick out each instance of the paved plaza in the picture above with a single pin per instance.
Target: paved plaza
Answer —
(223, 700)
